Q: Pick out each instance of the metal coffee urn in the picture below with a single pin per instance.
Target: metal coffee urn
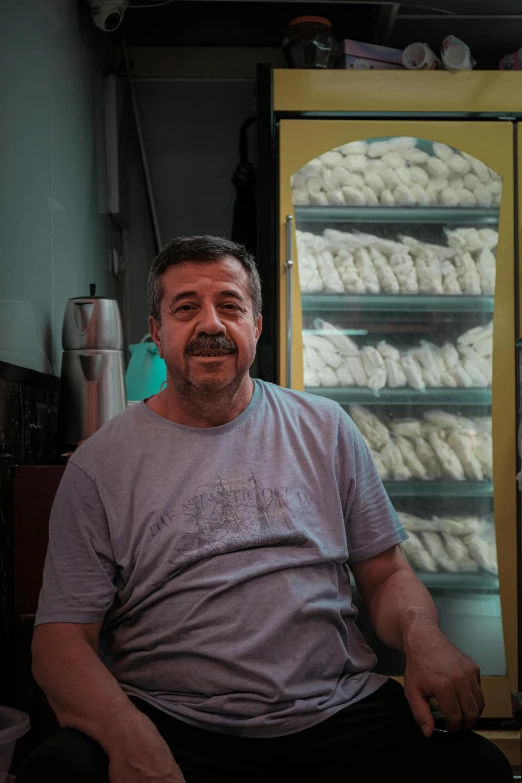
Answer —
(93, 369)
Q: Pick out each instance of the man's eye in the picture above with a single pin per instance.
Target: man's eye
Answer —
(184, 308)
(231, 306)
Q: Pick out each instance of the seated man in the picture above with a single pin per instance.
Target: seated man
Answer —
(199, 542)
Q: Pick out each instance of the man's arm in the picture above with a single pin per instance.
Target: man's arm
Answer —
(85, 696)
(404, 617)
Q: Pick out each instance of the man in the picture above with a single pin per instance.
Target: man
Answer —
(201, 538)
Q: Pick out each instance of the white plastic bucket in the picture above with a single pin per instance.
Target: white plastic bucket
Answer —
(13, 725)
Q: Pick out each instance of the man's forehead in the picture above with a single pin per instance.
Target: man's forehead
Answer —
(227, 270)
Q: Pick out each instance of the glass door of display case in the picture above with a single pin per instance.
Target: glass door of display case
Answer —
(399, 304)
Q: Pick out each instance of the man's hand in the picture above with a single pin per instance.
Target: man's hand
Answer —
(435, 668)
(146, 759)
(139, 754)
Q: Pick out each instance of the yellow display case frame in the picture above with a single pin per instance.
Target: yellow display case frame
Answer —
(301, 140)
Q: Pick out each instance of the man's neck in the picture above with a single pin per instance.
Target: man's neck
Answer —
(202, 408)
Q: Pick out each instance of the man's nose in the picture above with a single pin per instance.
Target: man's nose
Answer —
(209, 320)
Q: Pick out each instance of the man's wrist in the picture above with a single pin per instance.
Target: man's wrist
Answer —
(418, 628)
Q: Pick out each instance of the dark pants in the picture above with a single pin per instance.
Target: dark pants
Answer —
(373, 741)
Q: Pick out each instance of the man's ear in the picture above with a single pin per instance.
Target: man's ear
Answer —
(258, 326)
(154, 331)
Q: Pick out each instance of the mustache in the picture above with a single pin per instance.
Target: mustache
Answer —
(206, 342)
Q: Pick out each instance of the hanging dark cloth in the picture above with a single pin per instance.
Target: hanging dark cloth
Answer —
(244, 225)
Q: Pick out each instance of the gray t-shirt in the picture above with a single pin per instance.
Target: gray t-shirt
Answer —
(216, 557)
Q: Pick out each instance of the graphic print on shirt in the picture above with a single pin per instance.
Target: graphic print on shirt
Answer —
(235, 514)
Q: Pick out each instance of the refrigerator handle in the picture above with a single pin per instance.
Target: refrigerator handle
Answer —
(288, 266)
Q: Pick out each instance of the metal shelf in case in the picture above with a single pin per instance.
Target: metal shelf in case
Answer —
(434, 397)
(428, 489)
(440, 215)
(413, 303)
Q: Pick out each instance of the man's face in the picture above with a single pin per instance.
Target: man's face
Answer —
(207, 333)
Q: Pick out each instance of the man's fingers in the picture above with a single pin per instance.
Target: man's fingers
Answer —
(478, 696)
(469, 707)
(449, 704)
(420, 710)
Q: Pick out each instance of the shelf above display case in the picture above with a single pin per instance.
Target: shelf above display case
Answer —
(426, 489)
(474, 581)
(413, 303)
(480, 580)
(406, 396)
(455, 215)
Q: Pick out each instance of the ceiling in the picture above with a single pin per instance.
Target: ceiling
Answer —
(490, 27)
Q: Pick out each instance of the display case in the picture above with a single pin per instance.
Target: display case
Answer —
(396, 287)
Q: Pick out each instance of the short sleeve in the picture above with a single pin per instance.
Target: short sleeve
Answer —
(79, 574)
(372, 525)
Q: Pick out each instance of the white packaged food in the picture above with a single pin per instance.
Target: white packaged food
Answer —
(388, 351)
(312, 360)
(387, 198)
(449, 197)
(434, 545)
(354, 148)
(329, 179)
(415, 155)
(484, 196)
(377, 149)
(458, 552)
(413, 372)
(482, 364)
(331, 159)
(461, 377)
(300, 197)
(311, 379)
(353, 196)
(437, 168)
(428, 458)
(487, 268)
(369, 195)
(328, 376)
(403, 174)
(462, 445)
(442, 151)
(355, 162)
(410, 458)
(372, 359)
(407, 428)
(344, 374)
(377, 380)
(449, 461)
(393, 160)
(374, 181)
(421, 197)
(417, 556)
(336, 197)
(356, 368)
(390, 178)
(415, 524)
(458, 164)
(395, 374)
(392, 457)
(401, 143)
(483, 450)
(318, 199)
(419, 176)
(480, 552)
(450, 355)
(344, 344)
(480, 169)
(466, 197)
(370, 426)
(484, 347)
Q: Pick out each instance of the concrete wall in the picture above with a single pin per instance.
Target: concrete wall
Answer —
(55, 235)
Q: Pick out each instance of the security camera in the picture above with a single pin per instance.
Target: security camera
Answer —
(108, 14)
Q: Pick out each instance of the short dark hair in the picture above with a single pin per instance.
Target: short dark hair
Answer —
(200, 249)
